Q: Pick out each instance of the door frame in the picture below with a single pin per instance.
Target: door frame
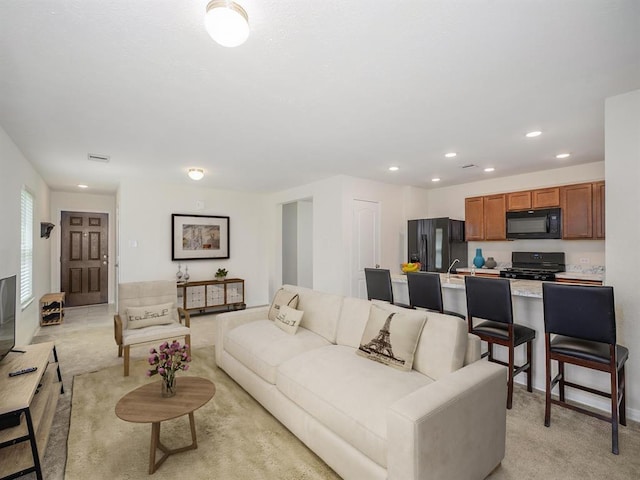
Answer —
(56, 258)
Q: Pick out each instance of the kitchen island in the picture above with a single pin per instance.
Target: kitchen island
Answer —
(528, 311)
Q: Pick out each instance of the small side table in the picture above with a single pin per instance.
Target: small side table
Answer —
(146, 405)
(52, 308)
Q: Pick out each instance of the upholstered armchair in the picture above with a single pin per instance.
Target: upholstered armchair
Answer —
(148, 312)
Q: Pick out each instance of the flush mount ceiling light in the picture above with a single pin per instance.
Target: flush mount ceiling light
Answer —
(489, 169)
(227, 23)
(435, 179)
(450, 154)
(394, 169)
(196, 173)
(563, 155)
(536, 133)
(83, 186)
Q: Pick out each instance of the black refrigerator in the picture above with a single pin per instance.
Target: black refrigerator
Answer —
(436, 242)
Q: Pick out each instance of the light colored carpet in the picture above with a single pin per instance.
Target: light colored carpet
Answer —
(575, 447)
(237, 438)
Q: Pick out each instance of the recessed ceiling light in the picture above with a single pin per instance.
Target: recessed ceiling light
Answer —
(450, 154)
(83, 186)
(563, 155)
(196, 173)
(489, 169)
(537, 133)
(394, 169)
(435, 179)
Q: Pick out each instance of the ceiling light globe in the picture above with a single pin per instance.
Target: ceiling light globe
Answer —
(227, 23)
(196, 174)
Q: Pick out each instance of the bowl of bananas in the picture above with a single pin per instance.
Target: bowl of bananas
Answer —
(410, 267)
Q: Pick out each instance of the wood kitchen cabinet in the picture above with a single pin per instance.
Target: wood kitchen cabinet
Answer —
(474, 218)
(545, 198)
(518, 201)
(598, 210)
(495, 226)
(485, 218)
(577, 211)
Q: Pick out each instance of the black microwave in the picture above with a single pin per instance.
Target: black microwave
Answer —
(545, 223)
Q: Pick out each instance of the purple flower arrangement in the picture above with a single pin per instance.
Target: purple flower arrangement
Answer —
(168, 359)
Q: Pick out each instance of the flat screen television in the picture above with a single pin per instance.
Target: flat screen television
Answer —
(7, 315)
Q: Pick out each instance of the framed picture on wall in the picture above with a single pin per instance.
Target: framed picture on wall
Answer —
(199, 237)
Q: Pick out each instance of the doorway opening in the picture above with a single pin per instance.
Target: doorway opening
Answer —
(297, 243)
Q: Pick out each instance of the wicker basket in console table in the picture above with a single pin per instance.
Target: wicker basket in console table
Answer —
(212, 295)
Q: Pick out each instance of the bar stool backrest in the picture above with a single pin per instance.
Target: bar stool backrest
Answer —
(425, 290)
(489, 298)
(581, 311)
(379, 286)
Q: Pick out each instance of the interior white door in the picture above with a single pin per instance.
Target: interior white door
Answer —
(365, 243)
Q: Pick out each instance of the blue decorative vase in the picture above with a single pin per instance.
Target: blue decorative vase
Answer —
(478, 260)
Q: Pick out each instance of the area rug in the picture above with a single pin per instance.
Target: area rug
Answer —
(237, 438)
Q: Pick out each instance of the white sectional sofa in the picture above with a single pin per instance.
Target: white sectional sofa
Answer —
(445, 419)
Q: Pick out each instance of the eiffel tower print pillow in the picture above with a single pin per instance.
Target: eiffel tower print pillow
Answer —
(392, 337)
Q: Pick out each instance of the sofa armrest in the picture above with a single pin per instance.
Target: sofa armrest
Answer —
(454, 427)
(474, 350)
(229, 320)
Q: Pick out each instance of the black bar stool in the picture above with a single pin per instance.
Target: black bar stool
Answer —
(489, 299)
(425, 291)
(582, 321)
(379, 286)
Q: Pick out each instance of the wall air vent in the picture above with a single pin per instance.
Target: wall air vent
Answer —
(99, 158)
(469, 165)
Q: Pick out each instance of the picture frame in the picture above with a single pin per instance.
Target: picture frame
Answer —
(199, 237)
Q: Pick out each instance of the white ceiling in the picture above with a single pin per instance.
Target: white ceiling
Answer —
(320, 88)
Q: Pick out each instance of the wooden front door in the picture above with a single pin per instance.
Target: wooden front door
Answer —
(84, 260)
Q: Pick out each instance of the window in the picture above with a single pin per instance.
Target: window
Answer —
(26, 247)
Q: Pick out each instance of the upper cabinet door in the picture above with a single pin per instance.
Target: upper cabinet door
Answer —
(495, 225)
(577, 211)
(518, 201)
(598, 210)
(474, 218)
(545, 198)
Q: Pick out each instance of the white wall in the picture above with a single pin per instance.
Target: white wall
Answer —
(144, 236)
(290, 243)
(622, 174)
(305, 243)
(16, 172)
(449, 202)
(332, 217)
(82, 202)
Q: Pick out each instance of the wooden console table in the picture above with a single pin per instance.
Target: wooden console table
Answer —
(212, 295)
(31, 398)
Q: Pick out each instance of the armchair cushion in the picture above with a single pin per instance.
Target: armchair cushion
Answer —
(140, 317)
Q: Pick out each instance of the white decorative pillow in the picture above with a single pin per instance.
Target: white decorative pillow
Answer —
(288, 319)
(140, 317)
(391, 337)
(282, 297)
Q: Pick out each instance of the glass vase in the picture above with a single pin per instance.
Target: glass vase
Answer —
(169, 387)
(478, 260)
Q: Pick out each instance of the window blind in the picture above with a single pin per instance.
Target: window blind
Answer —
(26, 246)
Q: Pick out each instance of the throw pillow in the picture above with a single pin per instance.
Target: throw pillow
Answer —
(282, 297)
(140, 317)
(288, 319)
(391, 337)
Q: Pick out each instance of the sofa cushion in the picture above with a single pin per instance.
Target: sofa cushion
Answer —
(321, 311)
(347, 393)
(282, 297)
(288, 319)
(262, 347)
(391, 337)
(442, 345)
(353, 318)
(162, 314)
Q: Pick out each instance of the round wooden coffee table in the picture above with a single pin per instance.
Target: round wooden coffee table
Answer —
(146, 405)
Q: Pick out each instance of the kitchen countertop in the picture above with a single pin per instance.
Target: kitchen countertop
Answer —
(592, 277)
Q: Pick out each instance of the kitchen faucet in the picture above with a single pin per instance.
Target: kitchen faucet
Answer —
(449, 270)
